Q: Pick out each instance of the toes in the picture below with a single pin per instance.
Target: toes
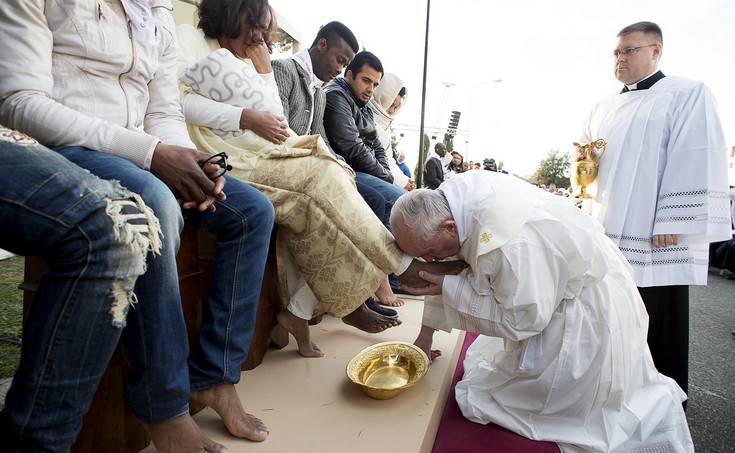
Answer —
(389, 323)
(317, 351)
(393, 303)
(257, 423)
(212, 446)
(313, 352)
(253, 429)
(258, 435)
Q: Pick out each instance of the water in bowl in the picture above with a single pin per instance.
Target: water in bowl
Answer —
(388, 377)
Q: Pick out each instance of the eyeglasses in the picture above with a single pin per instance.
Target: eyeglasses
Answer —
(629, 52)
(220, 160)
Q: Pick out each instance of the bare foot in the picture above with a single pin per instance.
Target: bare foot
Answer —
(430, 353)
(411, 276)
(385, 295)
(424, 341)
(299, 328)
(181, 434)
(369, 321)
(224, 400)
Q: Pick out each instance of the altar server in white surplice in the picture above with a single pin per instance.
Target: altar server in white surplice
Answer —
(662, 186)
(574, 367)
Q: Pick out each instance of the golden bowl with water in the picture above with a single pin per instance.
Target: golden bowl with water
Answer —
(385, 370)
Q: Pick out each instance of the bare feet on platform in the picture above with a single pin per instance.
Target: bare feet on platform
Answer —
(411, 276)
(299, 328)
(181, 434)
(430, 353)
(224, 400)
(369, 321)
(424, 341)
(385, 295)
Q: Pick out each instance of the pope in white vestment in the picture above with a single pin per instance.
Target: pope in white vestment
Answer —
(575, 367)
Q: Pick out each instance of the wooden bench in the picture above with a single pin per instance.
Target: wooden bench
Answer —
(109, 425)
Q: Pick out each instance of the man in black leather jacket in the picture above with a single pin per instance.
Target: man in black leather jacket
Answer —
(351, 129)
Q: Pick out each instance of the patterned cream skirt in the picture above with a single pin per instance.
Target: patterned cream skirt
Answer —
(340, 246)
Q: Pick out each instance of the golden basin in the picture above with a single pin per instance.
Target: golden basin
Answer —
(386, 370)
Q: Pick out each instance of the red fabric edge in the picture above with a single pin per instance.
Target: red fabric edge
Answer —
(456, 434)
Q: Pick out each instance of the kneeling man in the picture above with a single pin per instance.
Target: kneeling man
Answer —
(575, 367)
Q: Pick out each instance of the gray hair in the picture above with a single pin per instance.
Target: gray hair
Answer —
(423, 211)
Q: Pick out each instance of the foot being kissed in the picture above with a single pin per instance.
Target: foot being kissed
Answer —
(411, 276)
(385, 295)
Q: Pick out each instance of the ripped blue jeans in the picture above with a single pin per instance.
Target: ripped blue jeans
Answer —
(155, 340)
(95, 236)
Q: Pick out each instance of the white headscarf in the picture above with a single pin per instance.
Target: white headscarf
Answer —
(389, 87)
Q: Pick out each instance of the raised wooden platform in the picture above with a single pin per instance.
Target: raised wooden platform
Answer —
(310, 405)
(109, 425)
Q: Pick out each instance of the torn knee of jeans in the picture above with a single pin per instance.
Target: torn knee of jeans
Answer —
(123, 298)
(135, 222)
(136, 226)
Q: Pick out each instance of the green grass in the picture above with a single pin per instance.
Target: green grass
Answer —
(11, 314)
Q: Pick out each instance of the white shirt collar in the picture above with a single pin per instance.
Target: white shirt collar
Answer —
(303, 58)
(634, 86)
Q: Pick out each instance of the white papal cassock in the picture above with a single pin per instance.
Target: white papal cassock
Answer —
(664, 172)
(575, 368)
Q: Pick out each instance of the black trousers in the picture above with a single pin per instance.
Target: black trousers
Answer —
(668, 330)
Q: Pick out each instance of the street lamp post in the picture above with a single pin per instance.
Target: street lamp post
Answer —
(419, 177)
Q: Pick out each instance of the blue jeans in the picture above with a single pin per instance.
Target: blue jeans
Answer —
(373, 198)
(94, 238)
(387, 190)
(155, 339)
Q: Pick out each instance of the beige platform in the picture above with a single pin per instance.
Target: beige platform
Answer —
(309, 405)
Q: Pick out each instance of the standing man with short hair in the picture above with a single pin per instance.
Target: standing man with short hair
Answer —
(434, 171)
(662, 186)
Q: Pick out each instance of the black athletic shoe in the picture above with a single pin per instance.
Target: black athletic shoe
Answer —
(377, 308)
